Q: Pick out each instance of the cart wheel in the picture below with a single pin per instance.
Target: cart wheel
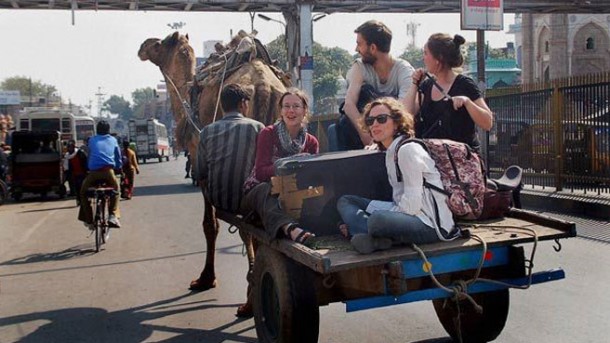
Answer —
(475, 327)
(61, 192)
(285, 304)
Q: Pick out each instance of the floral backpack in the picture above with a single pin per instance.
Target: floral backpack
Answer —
(462, 175)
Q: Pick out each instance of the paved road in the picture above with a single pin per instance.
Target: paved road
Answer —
(54, 288)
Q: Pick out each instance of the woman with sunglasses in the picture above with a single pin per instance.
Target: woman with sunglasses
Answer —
(287, 137)
(448, 105)
(411, 216)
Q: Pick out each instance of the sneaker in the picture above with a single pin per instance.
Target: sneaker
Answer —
(114, 222)
(89, 226)
(187, 176)
(366, 244)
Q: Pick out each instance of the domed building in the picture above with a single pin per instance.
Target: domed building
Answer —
(551, 46)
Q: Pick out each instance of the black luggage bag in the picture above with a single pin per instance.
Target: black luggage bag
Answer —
(356, 172)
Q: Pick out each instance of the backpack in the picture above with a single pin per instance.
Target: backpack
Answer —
(462, 175)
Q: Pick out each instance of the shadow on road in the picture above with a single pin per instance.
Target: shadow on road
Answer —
(86, 324)
(50, 209)
(76, 251)
(435, 340)
(178, 188)
(85, 250)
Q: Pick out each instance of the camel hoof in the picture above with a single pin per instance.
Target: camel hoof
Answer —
(199, 286)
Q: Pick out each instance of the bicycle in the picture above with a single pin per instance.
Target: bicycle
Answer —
(99, 197)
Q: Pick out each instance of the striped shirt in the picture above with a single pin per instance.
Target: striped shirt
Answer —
(225, 157)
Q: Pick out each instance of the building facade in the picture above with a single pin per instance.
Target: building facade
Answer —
(552, 46)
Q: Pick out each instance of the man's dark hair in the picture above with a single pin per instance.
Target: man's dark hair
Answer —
(376, 32)
(231, 96)
(102, 128)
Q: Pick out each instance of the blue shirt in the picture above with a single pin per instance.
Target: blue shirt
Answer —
(104, 152)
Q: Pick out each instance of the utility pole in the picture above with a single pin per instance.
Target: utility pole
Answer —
(100, 98)
(177, 25)
(412, 32)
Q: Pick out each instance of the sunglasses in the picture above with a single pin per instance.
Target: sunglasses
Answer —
(381, 119)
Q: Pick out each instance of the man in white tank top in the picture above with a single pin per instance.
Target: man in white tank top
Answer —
(373, 75)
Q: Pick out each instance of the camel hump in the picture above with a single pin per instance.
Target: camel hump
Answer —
(220, 65)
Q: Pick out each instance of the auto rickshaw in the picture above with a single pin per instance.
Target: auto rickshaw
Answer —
(36, 164)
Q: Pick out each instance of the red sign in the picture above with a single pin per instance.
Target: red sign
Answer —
(484, 3)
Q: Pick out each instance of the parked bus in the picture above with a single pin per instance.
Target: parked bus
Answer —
(150, 137)
(70, 126)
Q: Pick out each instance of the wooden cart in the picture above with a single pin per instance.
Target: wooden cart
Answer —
(291, 280)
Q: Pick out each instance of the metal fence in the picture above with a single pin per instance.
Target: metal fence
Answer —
(558, 131)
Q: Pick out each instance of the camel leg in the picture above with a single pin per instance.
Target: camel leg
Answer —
(207, 279)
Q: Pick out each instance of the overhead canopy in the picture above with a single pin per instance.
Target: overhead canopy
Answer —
(327, 6)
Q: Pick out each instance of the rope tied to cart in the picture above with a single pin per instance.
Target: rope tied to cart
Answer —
(459, 288)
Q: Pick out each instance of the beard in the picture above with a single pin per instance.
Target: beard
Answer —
(368, 58)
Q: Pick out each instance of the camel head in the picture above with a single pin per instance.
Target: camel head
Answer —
(173, 51)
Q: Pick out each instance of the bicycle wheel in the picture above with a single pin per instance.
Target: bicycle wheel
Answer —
(104, 215)
(98, 224)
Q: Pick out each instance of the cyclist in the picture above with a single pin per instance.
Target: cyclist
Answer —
(104, 159)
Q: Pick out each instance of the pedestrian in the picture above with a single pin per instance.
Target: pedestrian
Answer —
(130, 168)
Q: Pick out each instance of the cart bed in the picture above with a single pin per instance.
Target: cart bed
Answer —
(334, 253)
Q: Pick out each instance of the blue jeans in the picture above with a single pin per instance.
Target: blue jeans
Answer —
(401, 228)
(398, 226)
(352, 211)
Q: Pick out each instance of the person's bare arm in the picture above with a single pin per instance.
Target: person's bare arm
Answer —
(351, 100)
(478, 110)
(411, 101)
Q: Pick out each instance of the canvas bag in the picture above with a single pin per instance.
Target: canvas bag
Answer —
(462, 175)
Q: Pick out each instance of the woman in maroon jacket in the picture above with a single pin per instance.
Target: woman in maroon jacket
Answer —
(287, 137)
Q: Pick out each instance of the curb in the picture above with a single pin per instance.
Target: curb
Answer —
(591, 206)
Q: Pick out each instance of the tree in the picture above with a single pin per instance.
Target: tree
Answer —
(28, 87)
(277, 51)
(414, 55)
(119, 106)
(329, 64)
(141, 97)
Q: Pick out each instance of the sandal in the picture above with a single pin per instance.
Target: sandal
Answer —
(344, 230)
(301, 236)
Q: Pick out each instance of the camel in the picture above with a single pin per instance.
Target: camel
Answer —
(176, 60)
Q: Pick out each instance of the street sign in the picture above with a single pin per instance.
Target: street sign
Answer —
(306, 62)
(482, 15)
(10, 98)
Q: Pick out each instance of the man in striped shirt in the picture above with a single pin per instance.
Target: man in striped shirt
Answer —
(226, 151)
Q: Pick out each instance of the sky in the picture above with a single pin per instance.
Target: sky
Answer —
(98, 54)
